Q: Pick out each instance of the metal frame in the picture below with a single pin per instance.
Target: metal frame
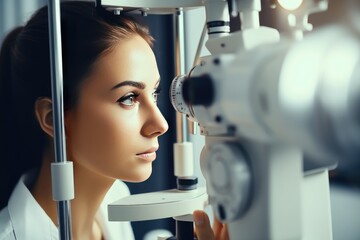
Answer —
(63, 200)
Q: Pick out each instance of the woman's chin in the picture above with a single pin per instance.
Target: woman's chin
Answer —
(138, 177)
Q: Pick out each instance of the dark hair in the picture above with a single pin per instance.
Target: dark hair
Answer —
(87, 34)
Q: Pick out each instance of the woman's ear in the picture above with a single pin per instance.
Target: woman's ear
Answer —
(43, 112)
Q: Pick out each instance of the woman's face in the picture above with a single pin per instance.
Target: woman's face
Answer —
(114, 129)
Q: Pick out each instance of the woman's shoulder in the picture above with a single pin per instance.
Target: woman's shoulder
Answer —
(6, 227)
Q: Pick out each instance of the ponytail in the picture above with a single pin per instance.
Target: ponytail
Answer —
(9, 174)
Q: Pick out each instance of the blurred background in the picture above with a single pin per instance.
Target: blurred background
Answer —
(345, 183)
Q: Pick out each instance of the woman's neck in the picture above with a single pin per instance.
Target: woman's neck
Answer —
(90, 190)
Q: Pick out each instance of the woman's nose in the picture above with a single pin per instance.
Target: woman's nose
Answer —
(155, 124)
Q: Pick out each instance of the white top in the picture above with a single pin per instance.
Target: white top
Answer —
(23, 218)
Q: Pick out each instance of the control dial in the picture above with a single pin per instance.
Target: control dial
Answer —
(176, 95)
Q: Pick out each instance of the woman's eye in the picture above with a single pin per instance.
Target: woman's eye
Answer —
(129, 99)
(156, 94)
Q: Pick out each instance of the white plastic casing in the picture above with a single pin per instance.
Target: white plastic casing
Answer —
(62, 178)
(158, 205)
(183, 159)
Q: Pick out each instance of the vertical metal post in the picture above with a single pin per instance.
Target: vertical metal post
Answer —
(181, 123)
(184, 230)
(63, 206)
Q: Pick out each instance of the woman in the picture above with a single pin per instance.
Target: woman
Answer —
(111, 84)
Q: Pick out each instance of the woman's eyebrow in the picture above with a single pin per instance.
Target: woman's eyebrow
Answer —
(139, 85)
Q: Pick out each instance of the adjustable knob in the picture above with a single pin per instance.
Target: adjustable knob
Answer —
(176, 95)
(231, 180)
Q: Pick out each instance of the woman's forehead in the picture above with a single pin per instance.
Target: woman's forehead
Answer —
(132, 59)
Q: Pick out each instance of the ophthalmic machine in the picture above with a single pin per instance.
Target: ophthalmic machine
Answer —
(277, 114)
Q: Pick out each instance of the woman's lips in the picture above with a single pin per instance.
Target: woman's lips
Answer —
(149, 155)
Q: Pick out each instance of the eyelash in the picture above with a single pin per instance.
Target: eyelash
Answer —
(156, 94)
(132, 96)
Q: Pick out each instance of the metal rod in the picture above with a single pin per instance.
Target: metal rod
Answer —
(64, 216)
(199, 47)
(184, 230)
(181, 123)
(63, 207)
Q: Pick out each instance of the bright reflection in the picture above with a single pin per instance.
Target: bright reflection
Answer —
(290, 4)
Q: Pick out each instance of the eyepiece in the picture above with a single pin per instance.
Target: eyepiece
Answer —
(199, 90)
